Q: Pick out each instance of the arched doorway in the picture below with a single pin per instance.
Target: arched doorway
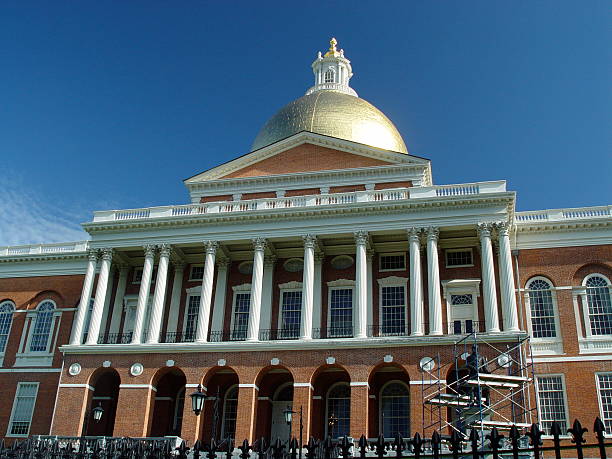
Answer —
(275, 396)
(389, 408)
(105, 382)
(331, 404)
(221, 406)
(169, 400)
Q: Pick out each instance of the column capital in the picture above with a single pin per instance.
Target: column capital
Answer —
(361, 237)
(433, 233)
(310, 241)
(107, 254)
(484, 230)
(414, 234)
(269, 260)
(370, 254)
(259, 243)
(164, 250)
(211, 247)
(179, 265)
(149, 250)
(503, 228)
(223, 262)
(123, 267)
(319, 257)
(92, 255)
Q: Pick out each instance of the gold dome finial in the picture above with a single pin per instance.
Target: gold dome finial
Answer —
(332, 48)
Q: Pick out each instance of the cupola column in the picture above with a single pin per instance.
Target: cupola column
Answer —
(259, 244)
(206, 294)
(488, 279)
(310, 242)
(361, 284)
(433, 282)
(143, 294)
(159, 297)
(98, 307)
(416, 286)
(506, 277)
(79, 321)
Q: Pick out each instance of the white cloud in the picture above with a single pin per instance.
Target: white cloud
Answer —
(26, 218)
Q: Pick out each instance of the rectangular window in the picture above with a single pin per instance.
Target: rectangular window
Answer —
(341, 313)
(191, 317)
(291, 314)
(393, 262)
(196, 273)
(23, 408)
(41, 333)
(551, 396)
(6, 319)
(459, 257)
(604, 389)
(393, 310)
(242, 305)
(137, 278)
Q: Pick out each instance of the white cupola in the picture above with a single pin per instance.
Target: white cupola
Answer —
(332, 71)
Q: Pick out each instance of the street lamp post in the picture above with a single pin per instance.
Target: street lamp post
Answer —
(197, 400)
(289, 419)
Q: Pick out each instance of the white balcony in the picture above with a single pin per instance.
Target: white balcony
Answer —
(562, 215)
(319, 200)
(38, 249)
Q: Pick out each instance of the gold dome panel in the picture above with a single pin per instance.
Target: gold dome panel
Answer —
(333, 114)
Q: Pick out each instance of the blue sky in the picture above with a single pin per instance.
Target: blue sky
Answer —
(111, 104)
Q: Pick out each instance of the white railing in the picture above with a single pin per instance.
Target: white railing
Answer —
(318, 200)
(38, 249)
(558, 215)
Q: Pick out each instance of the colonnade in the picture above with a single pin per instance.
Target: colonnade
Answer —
(311, 276)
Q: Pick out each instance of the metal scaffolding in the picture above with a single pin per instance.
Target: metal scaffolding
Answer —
(484, 384)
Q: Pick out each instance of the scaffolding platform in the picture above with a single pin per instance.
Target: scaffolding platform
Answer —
(452, 400)
(500, 425)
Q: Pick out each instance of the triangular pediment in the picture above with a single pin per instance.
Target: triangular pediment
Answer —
(305, 152)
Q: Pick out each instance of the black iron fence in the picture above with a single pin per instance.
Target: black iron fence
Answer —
(477, 444)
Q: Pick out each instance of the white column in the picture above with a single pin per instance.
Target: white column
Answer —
(175, 297)
(433, 282)
(416, 286)
(488, 279)
(259, 245)
(159, 297)
(310, 242)
(79, 320)
(316, 307)
(96, 313)
(118, 304)
(361, 284)
(265, 321)
(143, 294)
(206, 294)
(370, 303)
(220, 292)
(506, 276)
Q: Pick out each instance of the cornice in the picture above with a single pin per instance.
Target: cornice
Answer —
(295, 345)
(555, 227)
(44, 257)
(371, 208)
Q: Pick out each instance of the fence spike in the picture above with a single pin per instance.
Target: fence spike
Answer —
(600, 433)
(311, 448)
(555, 430)
(244, 450)
(277, 449)
(417, 445)
(380, 446)
(345, 447)
(436, 443)
(229, 448)
(182, 450)
(328, 446)
(399, 444)
(578, 432)
(293, 448)
(495, 440)
(455, 443)
(363, 446)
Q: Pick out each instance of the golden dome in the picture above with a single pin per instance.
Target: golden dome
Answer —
(334, 114)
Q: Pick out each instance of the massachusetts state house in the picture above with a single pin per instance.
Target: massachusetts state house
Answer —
(323, 272)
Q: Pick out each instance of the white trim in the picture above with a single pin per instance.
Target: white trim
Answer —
(598, 388)
(393, 281)
(460, 287)
(542, 346)
(585, 309)
(286, 288)
(137, 386)
(77, 385)
(10, 327)
(359, 384)
(195, 386)
(387, 282)
(564, 387)
(8, 429)
(455, 250)
(248, 386)
(303, 384)
(582, 358)
(241, 288)
(195, 279)
(293, 285)
(392, 254)
(341, 283)
(191, 293)
(426, 382)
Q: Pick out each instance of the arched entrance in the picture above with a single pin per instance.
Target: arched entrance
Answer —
(389, 408)
(221, 406)
(106, 390)
(169, 400)
(331, 404)
(275, 397)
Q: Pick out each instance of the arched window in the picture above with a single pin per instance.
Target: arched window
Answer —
(330, 76)
(6, 319)
(230, 413)
(395, 409)
(541, 308)
(339, 410)
(41, 334)
(599, 304)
